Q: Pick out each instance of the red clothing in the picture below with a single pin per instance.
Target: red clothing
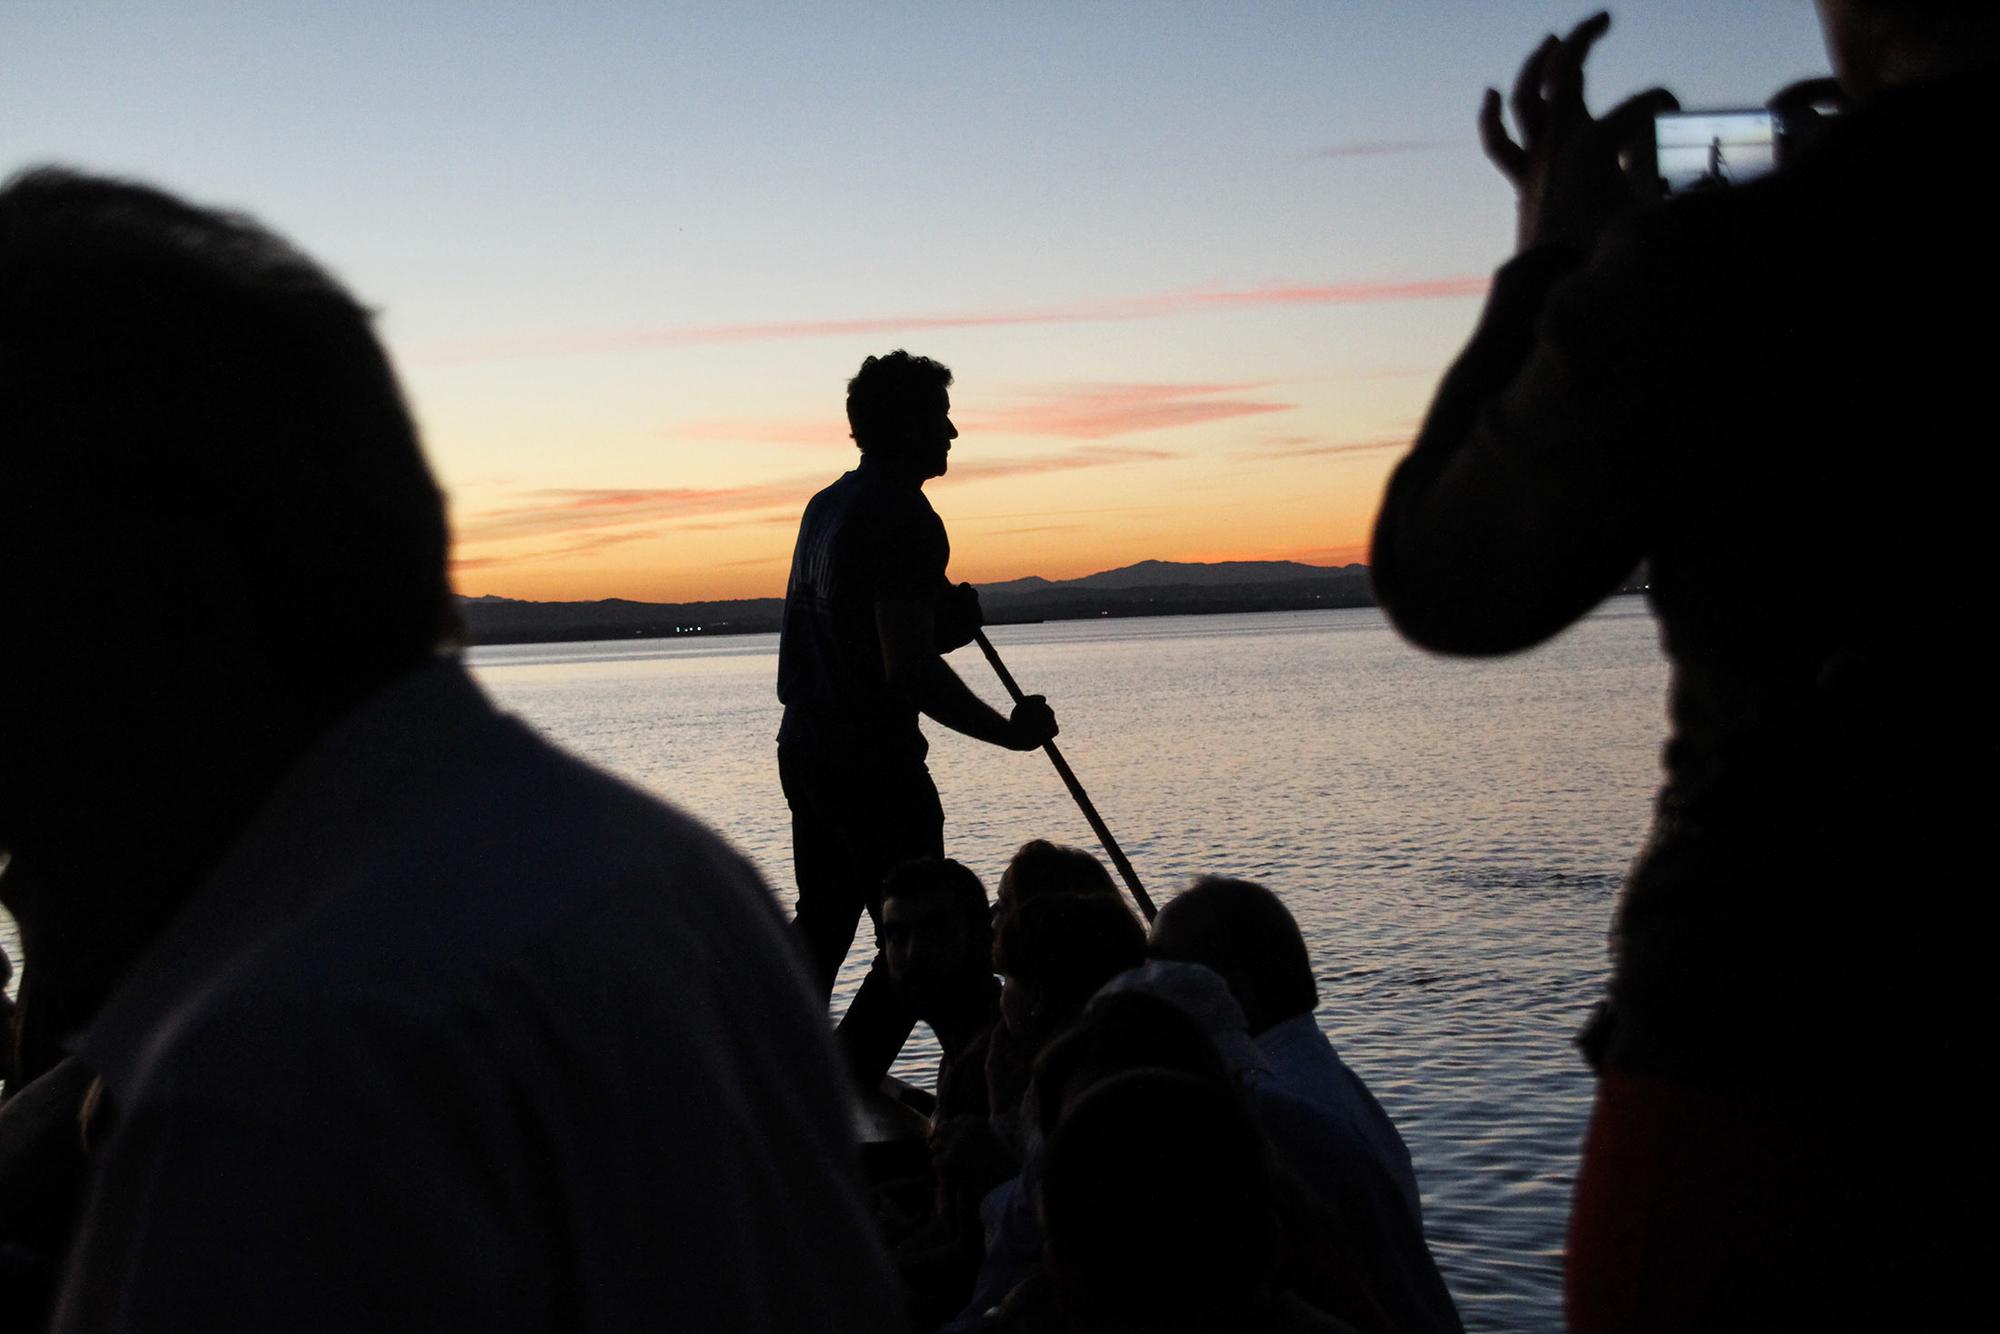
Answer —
(1718, 1208)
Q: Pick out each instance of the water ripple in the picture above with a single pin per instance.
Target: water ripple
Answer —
(1450, 835)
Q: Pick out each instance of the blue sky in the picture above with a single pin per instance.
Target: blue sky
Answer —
(627, 254)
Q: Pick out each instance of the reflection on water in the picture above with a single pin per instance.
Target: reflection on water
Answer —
(1448, 833)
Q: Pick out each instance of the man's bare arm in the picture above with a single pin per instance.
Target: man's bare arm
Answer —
(906, 628)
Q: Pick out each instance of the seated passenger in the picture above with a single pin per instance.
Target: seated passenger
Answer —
(1039, 868)
(1243, 932)
(937, 942)
(1161, 1207)
(1117, 1033)
(1352, 1248)
(1387, 1267)
(937, 950)
(1054, 952)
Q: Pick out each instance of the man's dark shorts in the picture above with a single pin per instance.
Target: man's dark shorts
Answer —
(850, 827)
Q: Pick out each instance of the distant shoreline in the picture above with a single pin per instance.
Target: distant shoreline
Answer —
(583, 634)
(1151, 588)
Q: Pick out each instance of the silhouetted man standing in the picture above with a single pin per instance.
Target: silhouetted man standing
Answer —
(868, 613)
(415, 1022)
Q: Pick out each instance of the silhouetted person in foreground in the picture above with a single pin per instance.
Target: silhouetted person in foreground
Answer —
(415, 1022)
(1765, 393)
(44, 1171)
(44, 1148)
(45, 1161)
(868, 615)
(1244, 933)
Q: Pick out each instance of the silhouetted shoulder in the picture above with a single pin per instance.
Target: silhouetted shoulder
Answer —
(523, 1028)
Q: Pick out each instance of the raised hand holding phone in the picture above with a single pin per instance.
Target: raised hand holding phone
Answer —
(1565, 162)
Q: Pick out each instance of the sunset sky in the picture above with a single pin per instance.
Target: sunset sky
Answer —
(1196, 266)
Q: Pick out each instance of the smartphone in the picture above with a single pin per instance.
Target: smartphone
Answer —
(1705, 150)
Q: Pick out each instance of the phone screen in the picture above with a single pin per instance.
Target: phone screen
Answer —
(1700, 150)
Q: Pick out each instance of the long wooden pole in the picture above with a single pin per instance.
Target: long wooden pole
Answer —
(1097, 825)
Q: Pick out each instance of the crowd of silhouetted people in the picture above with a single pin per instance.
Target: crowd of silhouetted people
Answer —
(1129, 1129)
(1138, 1129)
(348, 1002)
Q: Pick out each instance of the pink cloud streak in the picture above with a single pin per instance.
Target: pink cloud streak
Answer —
(763, 431)
(1376, 148)
(1090, 456)
(1156, 306)
(576, 510)
(585, 519)
(1292, 448)
(1080, 412)
(1095, 411)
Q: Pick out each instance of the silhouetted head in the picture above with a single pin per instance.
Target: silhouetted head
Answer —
(1159, 1206)
(1199, 993)
(217, 531)
(1042, 867)
(899, 411)
(1119, 1032)
(1055, 952)
(1881, 44)
(1243, 932)
(937, 935)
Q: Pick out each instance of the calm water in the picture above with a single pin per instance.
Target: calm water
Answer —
(1448, 834)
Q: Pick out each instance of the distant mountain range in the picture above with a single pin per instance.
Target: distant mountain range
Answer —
(1150, 588)
(1178, 574)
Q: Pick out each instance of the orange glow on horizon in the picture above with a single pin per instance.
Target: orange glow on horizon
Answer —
(682, 581)
(1056, 479)
(1058, 514)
